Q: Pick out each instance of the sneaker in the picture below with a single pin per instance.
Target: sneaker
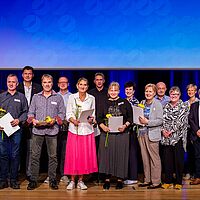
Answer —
(187, 177)
(81, 185)
(71, 185)
(178, 187)
(46, 180)
(64, 179)
(167, 186)
(130, 182)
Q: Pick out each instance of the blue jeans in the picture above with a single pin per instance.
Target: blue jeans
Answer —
(10, 156)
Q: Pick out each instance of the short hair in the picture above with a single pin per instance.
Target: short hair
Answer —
(13, 75)
(113, 83)
(63, 77)
(153, 86)
(99, 74)
(82, 79)
(175, 88)
(28, 68)
(130, 84)
(47, 76)
(191, 85)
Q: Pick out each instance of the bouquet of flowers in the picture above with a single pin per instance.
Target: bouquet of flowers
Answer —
(2, 113)
(45, 123)
(141, 105)
(106, 123)
(77, 112)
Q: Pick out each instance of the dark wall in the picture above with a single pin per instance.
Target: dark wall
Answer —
(180, 78)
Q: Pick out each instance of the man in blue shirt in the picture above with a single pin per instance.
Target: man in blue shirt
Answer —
(16, 104)
(45, 104)
(161, 90)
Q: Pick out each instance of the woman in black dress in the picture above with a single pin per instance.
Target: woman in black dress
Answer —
(114, 146)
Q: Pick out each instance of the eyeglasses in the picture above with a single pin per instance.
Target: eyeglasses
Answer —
(62, 82)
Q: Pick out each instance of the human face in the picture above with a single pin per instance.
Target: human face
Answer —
(27, 75)
(191, 92)
(129, 91)
(161, 89)
(63, 83)
(99, 81)
(12, 83)
(47, 84)
(149, 93)
(113, 92)
(82, 86)
(174, 97)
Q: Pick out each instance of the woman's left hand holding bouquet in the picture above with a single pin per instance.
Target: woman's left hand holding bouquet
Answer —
(74, 121)
(105, 128)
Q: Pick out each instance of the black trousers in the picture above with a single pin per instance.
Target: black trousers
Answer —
(196, 144)
(61, 150)
(174, 162)
(133, 154)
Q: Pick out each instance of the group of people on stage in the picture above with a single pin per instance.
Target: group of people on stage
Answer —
(168, 128)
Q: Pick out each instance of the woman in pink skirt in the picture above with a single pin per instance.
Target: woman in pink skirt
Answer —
(80, 156)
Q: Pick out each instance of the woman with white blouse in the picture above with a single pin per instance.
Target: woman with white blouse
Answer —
(80, 156)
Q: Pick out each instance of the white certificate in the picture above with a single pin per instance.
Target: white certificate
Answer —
(114, 123)
(5, 123)
(137, 112)
(84, 115)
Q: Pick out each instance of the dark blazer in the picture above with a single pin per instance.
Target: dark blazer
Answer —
(36, 88)
(193, 119)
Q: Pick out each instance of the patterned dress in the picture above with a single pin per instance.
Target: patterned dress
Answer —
(175, 119)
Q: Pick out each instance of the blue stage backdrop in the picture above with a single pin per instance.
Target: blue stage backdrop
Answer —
(100, 33)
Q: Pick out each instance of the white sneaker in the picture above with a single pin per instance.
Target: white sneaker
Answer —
(71, 185)
(130, 182)
(81, 185)
(47, 180)
(64, 179)
(186, 177)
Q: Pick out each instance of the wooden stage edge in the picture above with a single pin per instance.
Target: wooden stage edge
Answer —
(96, 192)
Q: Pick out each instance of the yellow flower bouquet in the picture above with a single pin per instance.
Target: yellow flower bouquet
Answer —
(106, 122)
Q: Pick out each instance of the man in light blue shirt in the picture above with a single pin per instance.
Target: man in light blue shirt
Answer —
(63, 84)
(161, 90)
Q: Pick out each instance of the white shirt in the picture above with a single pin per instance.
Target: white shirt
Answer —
(27, 91)
(74, 104)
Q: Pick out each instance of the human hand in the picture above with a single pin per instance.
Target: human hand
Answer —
(14, 122)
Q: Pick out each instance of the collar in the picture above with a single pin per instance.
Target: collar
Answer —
(52, 93)
(76, 96)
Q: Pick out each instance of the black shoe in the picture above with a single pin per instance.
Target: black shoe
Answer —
(28, 178)
(119, 185)
(53, 185)
(3, 185)
(144, 184)
(106, 185)
(32, 185)
(154, 186)
(14, 185)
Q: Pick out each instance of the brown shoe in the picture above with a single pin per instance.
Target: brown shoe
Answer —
(195, 182)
